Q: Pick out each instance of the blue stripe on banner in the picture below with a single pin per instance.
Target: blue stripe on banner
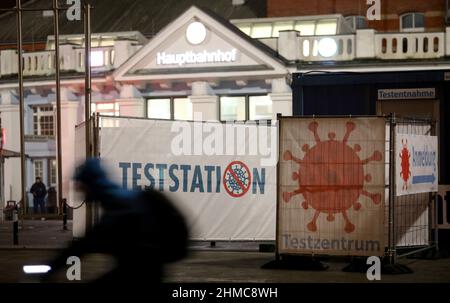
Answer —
(423, 179)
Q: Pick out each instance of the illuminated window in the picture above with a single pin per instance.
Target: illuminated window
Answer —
(97, 58)
(262, 30)
(232, 108)
(260, 108)
(412, 22)
(242, 108)
(246, 28)
(43, 121)
(38, 169)
(159, 108)
(281, 26)
(106, 108)
(182, 109)
(53, 176)
(326, 27)
(305, 28)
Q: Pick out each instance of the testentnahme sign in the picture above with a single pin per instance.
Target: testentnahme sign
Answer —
(190, 57)
(404, 94)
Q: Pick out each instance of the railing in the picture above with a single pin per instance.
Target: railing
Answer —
(441, 219)
(410, 45)
(38, 63)
(43, 63)
(365, 44)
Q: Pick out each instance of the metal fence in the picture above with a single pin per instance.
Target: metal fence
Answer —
(329, 200)
(411, 229)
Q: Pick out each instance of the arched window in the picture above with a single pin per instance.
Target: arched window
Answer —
(412, 22)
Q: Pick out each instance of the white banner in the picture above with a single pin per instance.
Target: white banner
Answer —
(331, 186)
(223, 177)
(416, 164)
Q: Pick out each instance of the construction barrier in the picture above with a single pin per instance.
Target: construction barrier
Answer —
(354, 186)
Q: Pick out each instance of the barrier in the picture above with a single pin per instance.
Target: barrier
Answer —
(338, 186)
(221, 175)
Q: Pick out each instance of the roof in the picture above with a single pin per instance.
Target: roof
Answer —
(145, 16)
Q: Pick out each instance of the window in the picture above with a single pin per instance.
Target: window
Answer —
(262, 30)
(306, 28)
(356, 22)
(169, 108)
(232, 108)
(326, 27)
(43, 118)
(281, 26)
(182, 109)
(260, 108)
(242, 108)
(53, 174)
(412, 22)
(38, 168)
(159, 108)
(106, 108)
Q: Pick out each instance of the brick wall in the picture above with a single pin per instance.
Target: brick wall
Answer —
(390, 9)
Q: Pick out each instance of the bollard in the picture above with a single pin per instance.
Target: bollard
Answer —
(15, 226)
(64, 214)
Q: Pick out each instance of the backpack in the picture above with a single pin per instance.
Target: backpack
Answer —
(171, 231)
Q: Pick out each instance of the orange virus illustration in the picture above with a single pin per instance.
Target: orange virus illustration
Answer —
(331, 177)
(404, 156)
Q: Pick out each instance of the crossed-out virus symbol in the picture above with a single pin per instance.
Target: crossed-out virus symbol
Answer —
(237, 179)
(331, 176)
(404, 156)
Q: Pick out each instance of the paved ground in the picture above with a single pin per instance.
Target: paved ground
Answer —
(33, 233)
(224, 266)
(227, 262)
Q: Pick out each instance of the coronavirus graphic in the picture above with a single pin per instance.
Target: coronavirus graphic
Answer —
(404, 156)
(331, 176)
(237, 179)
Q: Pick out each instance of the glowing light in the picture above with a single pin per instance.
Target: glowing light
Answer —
(36, 269)
(196, 33)
(327, 47)
(97, 59)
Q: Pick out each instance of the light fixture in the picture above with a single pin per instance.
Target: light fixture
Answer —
(327, 47)
(97, 59)
(196, 33)
(36, 269)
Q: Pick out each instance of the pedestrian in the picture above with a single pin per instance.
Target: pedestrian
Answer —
(142, 230)
(39, 192)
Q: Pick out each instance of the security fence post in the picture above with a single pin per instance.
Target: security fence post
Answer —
(391, 228)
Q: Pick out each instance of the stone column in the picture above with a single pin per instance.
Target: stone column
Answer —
(131, 103)
(281, 97)
(204, 101)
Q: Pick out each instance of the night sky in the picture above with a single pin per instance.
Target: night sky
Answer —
(9, 3)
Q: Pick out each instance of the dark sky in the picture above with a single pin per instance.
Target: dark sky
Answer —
(9, 3)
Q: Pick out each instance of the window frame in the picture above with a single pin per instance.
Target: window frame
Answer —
(41, 161)
(38, 113)
(414, 28)
(50, 174)
(247, 106)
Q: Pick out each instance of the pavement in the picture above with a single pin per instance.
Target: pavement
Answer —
(40, 241)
